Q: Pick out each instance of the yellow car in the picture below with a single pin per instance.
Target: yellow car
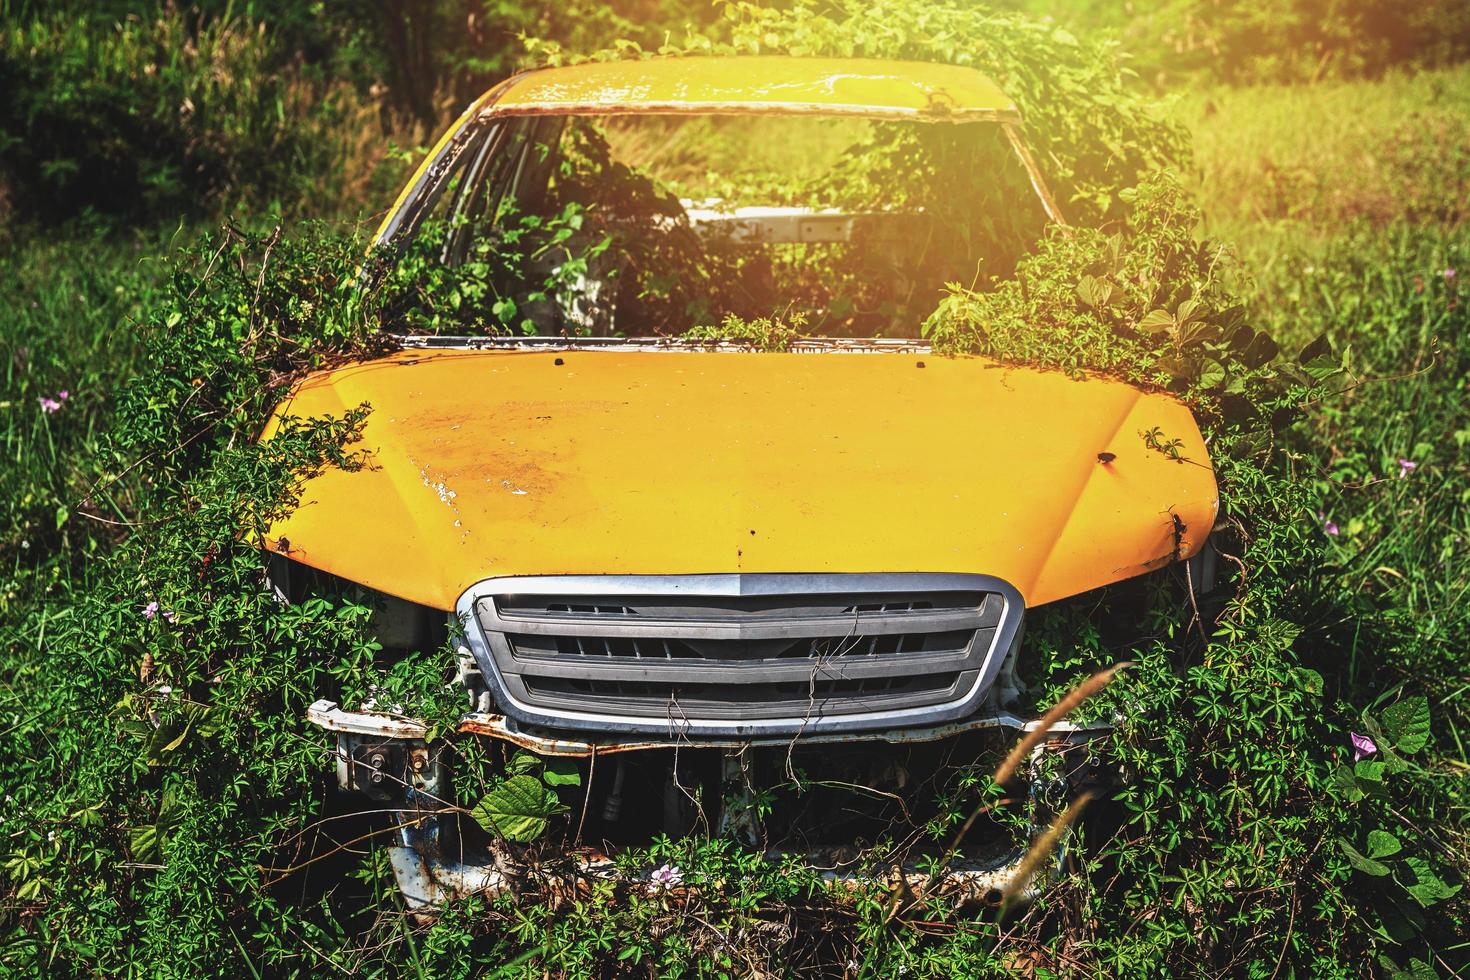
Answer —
(682, 561)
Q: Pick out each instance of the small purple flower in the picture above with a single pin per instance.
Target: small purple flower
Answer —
(1449, 275)
(63, 395)
(668, 876)
(170, 615)
(50, 405)
(1362, 746)
(150, 610)
(1329, 527)
(1406, 466)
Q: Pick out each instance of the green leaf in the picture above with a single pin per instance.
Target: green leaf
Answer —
(1401, 921)
(145, 844)
(1262, 350)
(1428, 889)
(1315, 351)
(518, 809)
(522, 763)
(1176, 366)
(1416, 970)
(1362, 862)
(1156, 321)
(1317, 359)
(1369, 770)
(1347, 784)
(178, 740)
(1407, 724)
(1194, 333)
(1211, 373)
(1382, 844)
(1093, 291)
(562, 772)
(148, 842)
(1392, 761)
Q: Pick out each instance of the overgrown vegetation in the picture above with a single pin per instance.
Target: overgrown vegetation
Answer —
(164, 115)
(1250, 41)
(166, 809)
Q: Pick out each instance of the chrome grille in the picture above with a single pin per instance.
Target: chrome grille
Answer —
(732, 654)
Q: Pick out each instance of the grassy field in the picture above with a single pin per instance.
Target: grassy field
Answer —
(1347, 204)
(1283, 169)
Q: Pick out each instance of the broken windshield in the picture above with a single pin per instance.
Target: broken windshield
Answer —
(650, 225)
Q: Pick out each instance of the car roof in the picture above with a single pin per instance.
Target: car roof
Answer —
(870, 87)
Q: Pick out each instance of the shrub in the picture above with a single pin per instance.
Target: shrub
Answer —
(1088, 155)
(156, 118)
(1244, 819)
(181, 765)
(1246, 42)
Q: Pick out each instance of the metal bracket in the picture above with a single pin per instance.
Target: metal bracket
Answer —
(378, 755)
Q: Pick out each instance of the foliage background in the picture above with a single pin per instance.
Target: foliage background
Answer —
(180, 188)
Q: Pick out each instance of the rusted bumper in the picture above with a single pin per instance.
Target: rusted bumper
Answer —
(327, 715)
(377, 749)
(428, 880)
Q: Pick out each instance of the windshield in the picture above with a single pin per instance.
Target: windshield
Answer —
(662, 225)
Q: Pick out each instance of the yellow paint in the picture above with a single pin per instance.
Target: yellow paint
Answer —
(502, 462)
(832, 86)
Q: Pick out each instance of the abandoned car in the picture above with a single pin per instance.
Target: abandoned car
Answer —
(714, 541)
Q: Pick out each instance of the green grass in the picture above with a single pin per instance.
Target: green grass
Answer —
(1286, 168)
(73, 309)
(1349, 203)
(1404, 541)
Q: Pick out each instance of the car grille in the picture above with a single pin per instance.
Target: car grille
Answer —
(726, 654)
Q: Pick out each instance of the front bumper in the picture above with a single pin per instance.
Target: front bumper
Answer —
(389, 758)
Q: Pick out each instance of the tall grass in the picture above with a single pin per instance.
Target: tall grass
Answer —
(1287, 167)
(72, 310)
(1349, 202)
(1389, 451)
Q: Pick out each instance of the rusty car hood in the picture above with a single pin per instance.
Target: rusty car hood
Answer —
(482, 463)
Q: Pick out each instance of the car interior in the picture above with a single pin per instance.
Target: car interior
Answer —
(648, 225)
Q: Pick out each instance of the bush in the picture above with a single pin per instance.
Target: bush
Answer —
(1244, 42)
(1088, 155)
(181, 764)
(157, 118)
(185, 764)
(1244, 838)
